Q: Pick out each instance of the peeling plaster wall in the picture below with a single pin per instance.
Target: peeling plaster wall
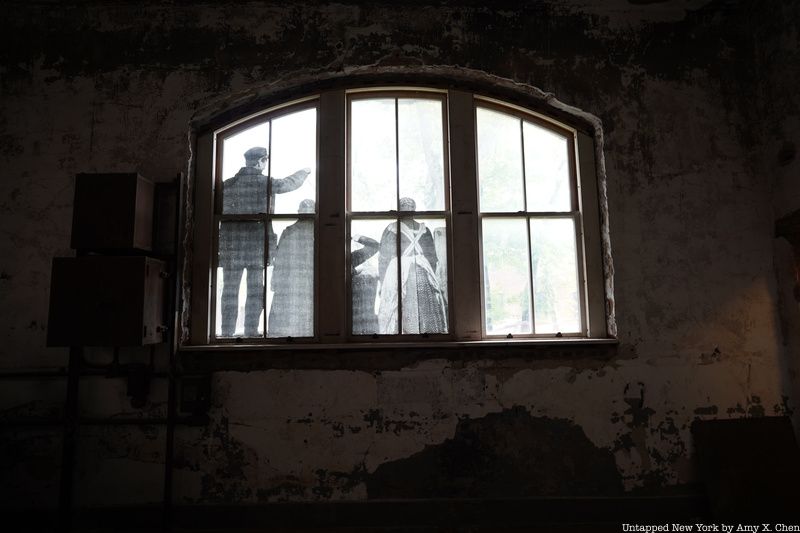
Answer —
(779, 104)
(90, 87)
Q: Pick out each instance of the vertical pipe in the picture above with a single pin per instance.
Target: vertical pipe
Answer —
(170, 444)
(68, 444)
(171, 307)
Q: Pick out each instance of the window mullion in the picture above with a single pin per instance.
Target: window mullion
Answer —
(466, 267)
(399, 237)
(267, 227)
(531, 281)
(332, 247)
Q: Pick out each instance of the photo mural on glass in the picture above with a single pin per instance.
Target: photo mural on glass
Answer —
(365, 238)
(398, 259)
(531, 276)
(267, 179)
(413, 290)
(291, 286)
(240, 279)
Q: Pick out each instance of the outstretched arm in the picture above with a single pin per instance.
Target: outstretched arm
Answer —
(291, 182)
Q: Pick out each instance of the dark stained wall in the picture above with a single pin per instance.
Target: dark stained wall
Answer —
(694, 110)
(779, 129)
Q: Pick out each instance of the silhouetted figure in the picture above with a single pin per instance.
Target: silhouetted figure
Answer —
(241, 243)
(292, 310)
(364, 286)
(423, 300)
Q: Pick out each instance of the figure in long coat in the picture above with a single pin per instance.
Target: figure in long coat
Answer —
(421, 295)
(292, 310)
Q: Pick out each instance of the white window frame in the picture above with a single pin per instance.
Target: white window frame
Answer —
(399, 92)
(332, 258)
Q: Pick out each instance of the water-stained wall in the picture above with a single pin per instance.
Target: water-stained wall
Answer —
(679, 88)
(780, 130)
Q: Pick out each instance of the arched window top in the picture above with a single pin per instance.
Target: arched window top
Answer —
(229, 109)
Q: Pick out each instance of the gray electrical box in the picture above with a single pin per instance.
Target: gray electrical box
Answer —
(107, 301)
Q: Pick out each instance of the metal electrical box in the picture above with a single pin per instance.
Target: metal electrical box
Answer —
(112, 212)
(107, 301)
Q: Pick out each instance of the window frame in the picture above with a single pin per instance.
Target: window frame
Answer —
(332, 227)
(574, 214)
(397, 93)
(220, 136)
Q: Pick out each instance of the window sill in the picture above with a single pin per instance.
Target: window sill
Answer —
(372, 356)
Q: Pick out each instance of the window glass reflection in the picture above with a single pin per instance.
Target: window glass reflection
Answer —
(546, 169)
(373, 153)
(499, 162)
(420, 152)
(506, 276)
(555, 274)
(294, 151)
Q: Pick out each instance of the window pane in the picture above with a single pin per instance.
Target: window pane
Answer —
(244, 187)
(555, 274)
(546, 169)
(388, 274)
(373, 150)
(240, 279)
(291, 280)
(420, 152)
(366, 259)
(294, 149)
(499, 162)
(506, 276)
(423, 275)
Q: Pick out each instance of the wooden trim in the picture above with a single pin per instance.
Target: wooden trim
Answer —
(461, 215)
(266, 115)
(466, 296)
(202, 257)
(594, 284)
(332, 246)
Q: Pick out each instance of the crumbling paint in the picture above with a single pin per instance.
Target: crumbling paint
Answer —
(707, 410)
(698, 136)
(508, 454)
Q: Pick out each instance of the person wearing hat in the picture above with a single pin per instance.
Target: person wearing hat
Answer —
(241, 242)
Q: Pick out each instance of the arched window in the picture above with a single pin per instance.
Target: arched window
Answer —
(395, 214)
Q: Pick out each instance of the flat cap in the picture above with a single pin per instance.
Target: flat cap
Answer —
(257, 152)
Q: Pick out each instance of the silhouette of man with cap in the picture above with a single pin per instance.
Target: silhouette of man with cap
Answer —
(241, 242)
